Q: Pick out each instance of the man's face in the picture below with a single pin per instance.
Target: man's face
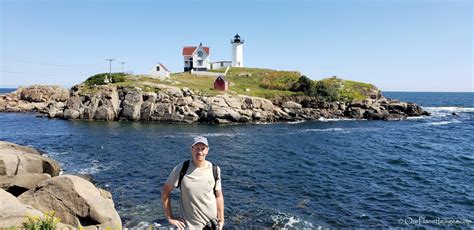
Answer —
(199, 151)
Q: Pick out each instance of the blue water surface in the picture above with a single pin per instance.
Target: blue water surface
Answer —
(288, 175)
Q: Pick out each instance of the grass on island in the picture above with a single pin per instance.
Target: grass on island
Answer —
(247, 81)
(256, 82)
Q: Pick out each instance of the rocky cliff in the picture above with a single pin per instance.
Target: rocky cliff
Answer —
(172, 104)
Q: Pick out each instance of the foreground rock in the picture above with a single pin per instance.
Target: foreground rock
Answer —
(31, 185)
(76, 201)
(13, 212)
(22, 168)
(172, 104)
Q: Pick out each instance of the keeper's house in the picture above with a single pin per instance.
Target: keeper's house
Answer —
(196, 58)
(160, 71)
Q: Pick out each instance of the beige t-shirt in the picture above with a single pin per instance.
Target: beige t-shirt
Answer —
(197, 199)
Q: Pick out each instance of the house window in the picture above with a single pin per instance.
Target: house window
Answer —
(158, 68)
(200, 54)
(200, 62)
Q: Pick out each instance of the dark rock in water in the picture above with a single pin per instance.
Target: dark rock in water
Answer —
(354, 112)
(372, 114)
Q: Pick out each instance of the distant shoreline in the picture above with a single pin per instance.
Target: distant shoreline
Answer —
(7, 90)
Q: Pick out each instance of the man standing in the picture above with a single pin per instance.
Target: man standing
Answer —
(201, 198)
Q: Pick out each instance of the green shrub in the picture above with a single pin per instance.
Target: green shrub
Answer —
(324, 91)
(303, 85)
(48, 222)
(280, 80)
(98, 79)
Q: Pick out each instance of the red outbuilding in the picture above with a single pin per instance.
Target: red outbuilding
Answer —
(221, 84)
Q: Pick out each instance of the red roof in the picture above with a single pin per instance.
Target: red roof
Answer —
(189, 50)
(163, 66)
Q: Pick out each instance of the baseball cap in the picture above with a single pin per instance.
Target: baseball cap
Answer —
(200, 139)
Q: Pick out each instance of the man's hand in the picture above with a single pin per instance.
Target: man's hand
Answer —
(220, 224)
(179, 223)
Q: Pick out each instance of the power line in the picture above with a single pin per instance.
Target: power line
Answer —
(122, 62)
(32, 74)
(107, 80)
(50, 64)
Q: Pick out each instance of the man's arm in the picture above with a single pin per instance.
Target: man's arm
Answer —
(165, 198)
(220, 208)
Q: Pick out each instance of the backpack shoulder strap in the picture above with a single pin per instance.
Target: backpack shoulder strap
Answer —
(183, 172)
(216, 176)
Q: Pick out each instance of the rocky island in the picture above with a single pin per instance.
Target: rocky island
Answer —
(255, 96)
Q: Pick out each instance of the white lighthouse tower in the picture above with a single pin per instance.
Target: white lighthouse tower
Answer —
(237, 51)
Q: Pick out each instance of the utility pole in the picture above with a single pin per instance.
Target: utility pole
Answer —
(107, 80)
(122, 62)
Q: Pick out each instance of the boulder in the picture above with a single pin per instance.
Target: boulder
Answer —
(24, 182)
(352, 112)
(147, 110)
(291, 105)
(184, 101)
(233, 102)
(266, 105)
(187, 92)
(215, 112)
(190, 117)
(173, 91)
(256, 103)
(364, 104)
(400, 106)
(413, 110)
(39, 93)
(22, 168)
(75, 200)
(131, 105)
(71, 114)
(90, 108)
(16, 159)
(217, 101)
(196, 105)
(55, 109)
(12, 212)
(105, 112)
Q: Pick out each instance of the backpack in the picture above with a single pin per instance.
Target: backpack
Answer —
(185, 168)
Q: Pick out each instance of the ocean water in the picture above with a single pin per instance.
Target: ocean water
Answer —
(339, 174)
(6, 90)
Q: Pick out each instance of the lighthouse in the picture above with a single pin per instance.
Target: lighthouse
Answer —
(237, 51)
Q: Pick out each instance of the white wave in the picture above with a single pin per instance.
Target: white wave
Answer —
(214, 134)
(289, 221)
(335, 119)
(295, 122)
(437, 123)
(179, 135)
(95, 168)
(418, 118)
(449, 109)
(145, 226)
(52, 153)
(326, 130)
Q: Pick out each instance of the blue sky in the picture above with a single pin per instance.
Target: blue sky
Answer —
(400, 45)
